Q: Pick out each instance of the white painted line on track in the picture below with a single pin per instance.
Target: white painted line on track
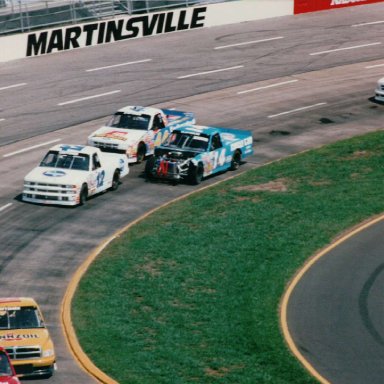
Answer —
(344, 49)
(13, 86)
(267, 86)
(4, 207)
(370, 23)
(30, 148)
(214, 71)
(2, 119)
(374, 66)
(248, 42)
(118, 65)
(89, 97)
(297, 110)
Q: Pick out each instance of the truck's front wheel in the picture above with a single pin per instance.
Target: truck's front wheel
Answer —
(83, 194)
(195, 173)
(115, 180)
(141, 151)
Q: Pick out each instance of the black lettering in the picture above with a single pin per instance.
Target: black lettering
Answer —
(181, 25)
(149, 27)
(115, 30)
(130, 27)
(56, 41)
(160, 24)
(89, 29)
(71, 36)
(37, 46)
(100, 38)
(168, 23)
(196, 17)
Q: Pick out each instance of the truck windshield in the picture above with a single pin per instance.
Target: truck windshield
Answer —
(189, 141)
(128, 121)
(5, 365)
(20, 318)
(55, 159)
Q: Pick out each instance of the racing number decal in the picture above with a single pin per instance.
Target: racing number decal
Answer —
(218, 158)
(100, 179)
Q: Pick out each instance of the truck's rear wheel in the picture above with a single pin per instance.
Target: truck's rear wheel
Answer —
(236, 160)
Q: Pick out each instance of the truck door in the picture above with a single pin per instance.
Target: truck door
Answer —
(216, 154)
(97, 175)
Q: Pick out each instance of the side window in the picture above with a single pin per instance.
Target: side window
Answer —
(216, 142)
(95, 162)
(158, 122)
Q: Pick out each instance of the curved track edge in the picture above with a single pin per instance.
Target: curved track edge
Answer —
(65, 311)
(295, 280)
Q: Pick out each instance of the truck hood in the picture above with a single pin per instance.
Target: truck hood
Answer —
(23, 337)
(49, 175)
(118, 135)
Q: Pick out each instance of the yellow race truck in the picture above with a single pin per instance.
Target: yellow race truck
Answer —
(24, 336)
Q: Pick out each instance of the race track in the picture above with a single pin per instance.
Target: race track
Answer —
(311, 83)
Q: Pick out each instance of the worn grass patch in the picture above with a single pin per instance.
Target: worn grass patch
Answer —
(191, 294)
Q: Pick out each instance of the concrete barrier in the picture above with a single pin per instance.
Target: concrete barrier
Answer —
(71, 37)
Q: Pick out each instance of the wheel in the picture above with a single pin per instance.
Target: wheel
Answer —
(195, 173)
(149, 167)
(236, 160)
(141, 150)
(83, 195)
(115, 180)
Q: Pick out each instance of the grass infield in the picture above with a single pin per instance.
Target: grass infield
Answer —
(191, 294)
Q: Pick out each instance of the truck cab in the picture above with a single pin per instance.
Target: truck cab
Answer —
(25, 337)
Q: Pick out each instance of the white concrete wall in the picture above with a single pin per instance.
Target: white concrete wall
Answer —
(56, 40)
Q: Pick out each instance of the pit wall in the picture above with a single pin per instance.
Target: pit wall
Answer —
(55, 40)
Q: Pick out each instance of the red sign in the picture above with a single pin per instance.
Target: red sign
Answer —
(303, 6)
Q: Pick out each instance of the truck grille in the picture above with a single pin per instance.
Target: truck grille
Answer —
(23, 353)
(105, 145)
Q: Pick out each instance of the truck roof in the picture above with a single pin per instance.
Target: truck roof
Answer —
(17, 302)
(137, 110)
(74, 149)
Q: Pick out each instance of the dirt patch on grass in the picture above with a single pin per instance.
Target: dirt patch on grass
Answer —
(359, 155)
(278, 185)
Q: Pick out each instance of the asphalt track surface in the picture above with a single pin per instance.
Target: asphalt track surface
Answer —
(296, 82)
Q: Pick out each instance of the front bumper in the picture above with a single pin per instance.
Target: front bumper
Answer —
(379, 94)
(51, 199)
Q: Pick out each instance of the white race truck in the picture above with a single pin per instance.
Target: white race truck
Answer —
(69, 174)
(136, 131)
(379, 90)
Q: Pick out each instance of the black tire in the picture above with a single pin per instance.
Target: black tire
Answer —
(195, 173)
(141, 150)
(236, 161)
(83, 194)
(115, 180)
(148, 170)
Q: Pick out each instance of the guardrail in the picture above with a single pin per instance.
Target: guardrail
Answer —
(18, 16)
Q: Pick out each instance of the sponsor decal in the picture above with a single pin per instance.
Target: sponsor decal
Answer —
(303, 6)
(63, 39)
(117, 135)
(340, 2)
(54, 173)
(18, 336)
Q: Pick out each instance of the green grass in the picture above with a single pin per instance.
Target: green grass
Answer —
(191, 294)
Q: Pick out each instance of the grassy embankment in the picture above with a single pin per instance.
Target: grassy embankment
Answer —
(191, 294)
